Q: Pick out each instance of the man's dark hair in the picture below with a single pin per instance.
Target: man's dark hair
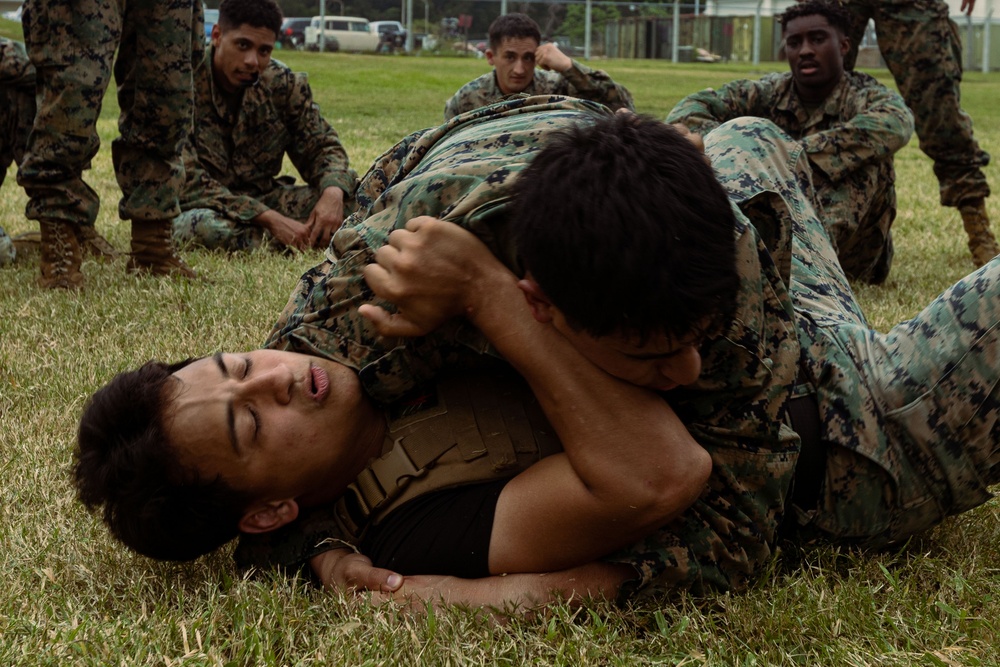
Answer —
(623, 225)
(254, 13)
(838, 17)
(125, 463)
(513, 26)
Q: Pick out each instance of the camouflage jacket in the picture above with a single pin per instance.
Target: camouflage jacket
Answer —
(16, 70)
(462, 172)
(860, 122)
(237, 148)
(907, 418)
(578, 81)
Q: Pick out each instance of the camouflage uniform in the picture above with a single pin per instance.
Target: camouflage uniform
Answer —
(922, 48)
(17, 112)
(578, 81)
(888, 473)
(849, 140)
(239, 145)
(72, 45)
(908, 418)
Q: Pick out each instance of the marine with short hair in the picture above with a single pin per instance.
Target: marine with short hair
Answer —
(515, 50)
(849, 123)
(251, 111)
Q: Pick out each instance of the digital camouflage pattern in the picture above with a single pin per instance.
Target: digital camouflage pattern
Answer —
(923, 50)
(72, 46)
(17, 112)
(578, 81)
(909, 417)
(236, 152)
(849, 141)
(462, 172)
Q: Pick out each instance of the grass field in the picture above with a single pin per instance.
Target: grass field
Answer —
(72, 596)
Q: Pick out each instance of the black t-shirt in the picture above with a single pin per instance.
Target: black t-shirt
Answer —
(443, 532)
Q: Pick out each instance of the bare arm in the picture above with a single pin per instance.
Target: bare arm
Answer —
(629, 464)
(516, 592)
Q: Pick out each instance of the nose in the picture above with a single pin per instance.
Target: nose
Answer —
(683, 367)
(275, 382)
(250, 60)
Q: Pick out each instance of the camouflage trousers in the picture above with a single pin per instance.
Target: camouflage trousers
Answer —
(72, 46)
(909, 418)
(858, 213)
(922, 48)
(17, 113)
(215, 230)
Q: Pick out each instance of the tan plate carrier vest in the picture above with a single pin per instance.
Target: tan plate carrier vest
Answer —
(482, 427)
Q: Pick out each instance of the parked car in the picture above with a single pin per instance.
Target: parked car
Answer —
(392, 34)
(352, 33)
(293, 32)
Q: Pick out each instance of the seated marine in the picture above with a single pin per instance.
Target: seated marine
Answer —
(250, 111)
(515, 50)
(848, 125)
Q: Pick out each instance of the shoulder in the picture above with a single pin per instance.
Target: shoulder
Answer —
(863, 81)
(479, 83)
(774, 80)
(278, 73)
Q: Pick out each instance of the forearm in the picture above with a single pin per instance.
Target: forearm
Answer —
(598, 86)
(519, 592)
(884, 127)
(636, 463)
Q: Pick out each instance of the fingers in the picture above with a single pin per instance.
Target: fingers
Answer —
(361, 575)
(390, 324)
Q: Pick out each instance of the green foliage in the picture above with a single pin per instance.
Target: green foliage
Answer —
(575, 24)
(73, 597)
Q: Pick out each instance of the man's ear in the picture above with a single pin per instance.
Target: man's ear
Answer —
(845, 46)
(272, 515)
(489, 56)
(216, 35)
(541, 307)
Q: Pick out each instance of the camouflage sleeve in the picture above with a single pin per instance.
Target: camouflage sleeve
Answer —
(736, 412)
(705, 110)
(451, 107)
(461, 171)
(316, 152)
(738, 407)
(881, 126)
(291, 546)
(479, 92)
(16, 69)
(597, 86)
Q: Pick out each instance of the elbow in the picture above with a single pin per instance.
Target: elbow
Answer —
(665, 492)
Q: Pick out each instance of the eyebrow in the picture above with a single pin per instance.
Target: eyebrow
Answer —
(230, 414)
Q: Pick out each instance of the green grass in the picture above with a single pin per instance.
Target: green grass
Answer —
(72, 596)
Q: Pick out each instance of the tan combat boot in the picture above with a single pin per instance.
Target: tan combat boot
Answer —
(153, 250)
(95, 244)
(982, 243)
(60, 261)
